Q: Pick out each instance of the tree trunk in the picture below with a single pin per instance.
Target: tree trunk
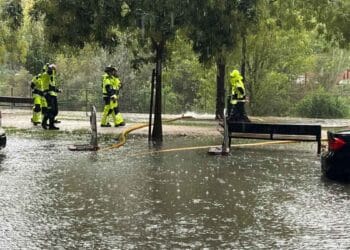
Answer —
(220, 90)
(157, 134)
(248, 85)
(244, 55)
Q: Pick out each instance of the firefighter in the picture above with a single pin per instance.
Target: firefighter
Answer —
(116, 85)
(237, 99)
(50, 91)
(108, 94)
(37, 93)
(53, 90)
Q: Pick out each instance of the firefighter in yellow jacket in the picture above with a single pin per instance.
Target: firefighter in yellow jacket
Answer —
(237, 100)
(50, 107)
(110, 89)
(37, 93)
(116, 85)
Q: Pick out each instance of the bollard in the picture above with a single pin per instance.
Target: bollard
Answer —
(225, 143)
(93, 124)
(93, 146)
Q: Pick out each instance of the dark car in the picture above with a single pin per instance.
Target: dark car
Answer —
(335, 162)
(2, 138)
(2, 135)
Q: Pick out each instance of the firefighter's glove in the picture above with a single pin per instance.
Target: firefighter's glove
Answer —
(234, 97)
(233, 102)
(241, 91)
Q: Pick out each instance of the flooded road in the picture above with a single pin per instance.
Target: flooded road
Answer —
(270, 197)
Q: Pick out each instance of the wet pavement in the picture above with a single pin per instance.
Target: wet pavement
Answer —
(140, 197)
(136, 197)
(194, 124)
(75, 121)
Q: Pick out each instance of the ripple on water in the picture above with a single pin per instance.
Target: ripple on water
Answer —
(261, 197)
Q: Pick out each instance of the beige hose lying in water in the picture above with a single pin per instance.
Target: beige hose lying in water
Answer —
(122, 136)
(204, 147)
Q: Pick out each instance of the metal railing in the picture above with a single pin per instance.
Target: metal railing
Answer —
(82, 99)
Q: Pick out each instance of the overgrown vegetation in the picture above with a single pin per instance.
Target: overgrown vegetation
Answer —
(292, 52)
(321, 104)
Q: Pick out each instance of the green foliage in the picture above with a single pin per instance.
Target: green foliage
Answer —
(330, 64)
(276, 56)
(213, 28)
(13, 45)
(321, 104)
(188, 84)
(281, 45)
(77, 23)
(39, 51)
(13, 13)
(331, 17)
(272, 96)
(14, 82)
(81, 72)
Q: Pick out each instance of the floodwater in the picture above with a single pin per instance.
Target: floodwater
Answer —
(262, 197)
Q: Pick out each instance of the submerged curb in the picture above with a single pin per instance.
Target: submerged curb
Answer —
(78, 122)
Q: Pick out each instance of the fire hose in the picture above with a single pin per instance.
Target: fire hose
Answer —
(123, 135)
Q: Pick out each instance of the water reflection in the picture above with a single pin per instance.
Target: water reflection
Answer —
(2, 158)
(262, 197)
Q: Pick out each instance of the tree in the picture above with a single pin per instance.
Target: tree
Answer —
(330, 17)
(13, 13)
(278, 51)
(286, 46)
(13, 47)
(188, 84)
(157, 22)
(216, 27)
(77, 23)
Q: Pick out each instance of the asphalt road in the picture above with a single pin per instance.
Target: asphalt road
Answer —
(198, 124)
(77, 121)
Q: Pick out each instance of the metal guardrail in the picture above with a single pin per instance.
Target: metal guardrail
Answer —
(16, 99)
(82, 99)
(275, 132)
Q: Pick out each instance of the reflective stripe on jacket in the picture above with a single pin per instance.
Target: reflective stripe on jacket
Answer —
(237, 86)
(107, 85)
(36, 85)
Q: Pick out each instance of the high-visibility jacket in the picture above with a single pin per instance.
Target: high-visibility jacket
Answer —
(36, 85)
(116, 85)
(49, 84)
(237, 85)
(45, 79)
(53, 90)
(107, 85)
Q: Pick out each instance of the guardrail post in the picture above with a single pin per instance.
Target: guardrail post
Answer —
(86, 101)
(226, 144)
(12, 104)
(93, 124)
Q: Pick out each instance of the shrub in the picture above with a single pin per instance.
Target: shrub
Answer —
(272, 97)
(321, 104)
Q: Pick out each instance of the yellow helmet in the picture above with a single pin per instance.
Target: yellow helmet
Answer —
(46, 66)
(53, 66)
(110, 68)
(49, 67)
(235, 74)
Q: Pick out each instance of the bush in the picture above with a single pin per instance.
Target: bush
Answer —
(272, 97)
(321, 104)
